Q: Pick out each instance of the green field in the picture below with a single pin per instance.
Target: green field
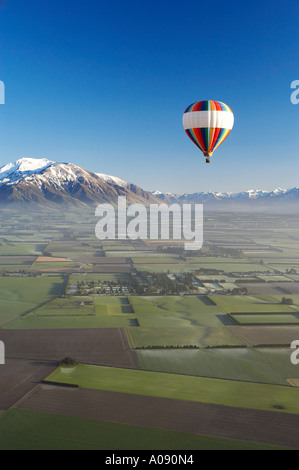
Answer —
(177, 311)
(19, 249)
(14, 268)
(32, 430)
(104, 312)
(200, 336)
(274, 278)
(20, 295)
(43, 322)
(54, 265)
(229, 265)
(74, 306)
(113, 306)
(265, 365)
(181, 387)
(268, 319)
(249, 304)
(88, 277)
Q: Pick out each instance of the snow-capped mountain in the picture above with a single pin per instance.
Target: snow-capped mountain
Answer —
(14, 172)
(42, 181)
(114, 180)
(275, 199)
(251, 194)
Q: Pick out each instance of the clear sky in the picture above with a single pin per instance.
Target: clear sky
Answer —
(104, 84)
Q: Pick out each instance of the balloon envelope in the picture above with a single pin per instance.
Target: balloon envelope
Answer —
(208, 123)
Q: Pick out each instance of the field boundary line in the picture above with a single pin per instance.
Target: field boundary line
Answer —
(24, 397)
(247, 344)
(27, 312)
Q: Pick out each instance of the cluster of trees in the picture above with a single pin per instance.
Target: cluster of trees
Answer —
(160, 282)
(239, 291)
(68, 361)
(210, 250)
(171, 346)
(21, 272)
(287, 301)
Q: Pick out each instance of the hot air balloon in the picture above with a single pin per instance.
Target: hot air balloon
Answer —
(208, 123)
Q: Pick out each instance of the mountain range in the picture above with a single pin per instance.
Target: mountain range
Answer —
(44, 182)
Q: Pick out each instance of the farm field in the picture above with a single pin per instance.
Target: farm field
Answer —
(199, 336)
(181, 387)
(17, 296)
(261, 335)
(20, 248)
(268, 319)
(249, 304)
(19, 376)
(178, 311)
(16, 260)
(73, 320)
(78, 306)
(32, 430)
(264, 365)
(104, 346)
(54, 265)
(270, 288)
(165, 267)
(88, 277)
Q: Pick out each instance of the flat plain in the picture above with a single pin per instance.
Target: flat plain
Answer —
(148, 326)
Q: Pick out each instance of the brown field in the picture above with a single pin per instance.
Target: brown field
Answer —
(112, 260)
(17, 259)
(270, 288)
(64, 247)
(265, 288)
(31, 355)
(88, 259)
(157, 262)
(106, 346)
(266, 335)
(255, 252)
(50, 259)
(291, 287)
(176, 415)
(112, 268)
(18, 377)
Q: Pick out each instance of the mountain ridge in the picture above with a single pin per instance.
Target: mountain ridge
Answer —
(44, 182)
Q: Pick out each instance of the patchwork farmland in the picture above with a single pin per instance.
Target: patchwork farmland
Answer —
(147, 326)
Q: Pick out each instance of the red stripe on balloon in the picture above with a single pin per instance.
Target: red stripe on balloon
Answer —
(216, 133)
(199, 138)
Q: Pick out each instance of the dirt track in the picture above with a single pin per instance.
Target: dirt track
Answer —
(266, 427)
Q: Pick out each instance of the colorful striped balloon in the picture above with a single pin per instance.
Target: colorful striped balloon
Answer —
(208, 123)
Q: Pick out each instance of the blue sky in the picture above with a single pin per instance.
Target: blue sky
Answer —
(104, 85)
